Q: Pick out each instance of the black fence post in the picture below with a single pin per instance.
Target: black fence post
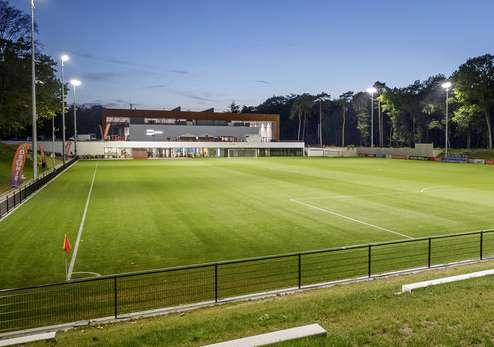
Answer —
(299, 271)
(370, 261)
(216, 282)
(429, 258)
(481, 245)
(115, 297)
(7, 202)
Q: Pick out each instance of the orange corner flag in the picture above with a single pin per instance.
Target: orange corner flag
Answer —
(66, 244)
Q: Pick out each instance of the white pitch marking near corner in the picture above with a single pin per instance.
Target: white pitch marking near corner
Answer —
(87, 272)
(81, 227)
(349, 218)
(437, 189)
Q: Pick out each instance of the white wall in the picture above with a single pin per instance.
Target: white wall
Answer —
(98, 147)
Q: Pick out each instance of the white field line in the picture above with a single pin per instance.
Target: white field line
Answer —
(81, 227)
(350, 196)
(36, 192)
(349, 218)
(87, 272)
(436, 188)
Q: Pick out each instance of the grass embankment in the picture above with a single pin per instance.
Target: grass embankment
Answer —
(6, 155)
(367, 313)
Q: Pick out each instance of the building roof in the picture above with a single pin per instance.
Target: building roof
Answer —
(177, 113)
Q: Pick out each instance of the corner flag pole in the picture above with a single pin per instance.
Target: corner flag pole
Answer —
(66, 248)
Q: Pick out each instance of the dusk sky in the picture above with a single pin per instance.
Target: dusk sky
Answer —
(201, 54)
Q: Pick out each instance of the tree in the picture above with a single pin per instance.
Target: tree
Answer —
(464, 117)
(15, 75)
(360, 103)
(15, 27)
(234, 108)
(300, 108)
(474, 83)
(320, 99)
(343, 104)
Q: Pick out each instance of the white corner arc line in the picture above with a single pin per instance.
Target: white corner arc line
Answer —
(349, 218)
(81, 227)
(87, 272)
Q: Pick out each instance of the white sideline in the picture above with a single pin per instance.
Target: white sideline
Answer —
(349, 218)
(274, 337)
(407, 288)
(81, 227)
(27, 339)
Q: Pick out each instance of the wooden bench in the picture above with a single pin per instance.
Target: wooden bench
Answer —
(407, 288)
(274, 337)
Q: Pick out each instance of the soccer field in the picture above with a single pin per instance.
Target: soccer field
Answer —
(137, 215)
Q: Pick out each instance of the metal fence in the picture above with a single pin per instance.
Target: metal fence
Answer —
(12, 200)
(117, 295)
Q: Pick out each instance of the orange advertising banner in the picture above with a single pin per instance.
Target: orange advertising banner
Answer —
(18, 165)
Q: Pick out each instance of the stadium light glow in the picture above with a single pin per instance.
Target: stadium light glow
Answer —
(371, 90)
(75, 83)
(64, 58)
(447, 85)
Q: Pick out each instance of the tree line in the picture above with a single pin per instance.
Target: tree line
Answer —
(403, 116)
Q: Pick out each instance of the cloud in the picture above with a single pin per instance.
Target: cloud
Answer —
(157, 86)
(262, 82)
(109, 60)
(154, 69)
(205, 96)
(180, 72)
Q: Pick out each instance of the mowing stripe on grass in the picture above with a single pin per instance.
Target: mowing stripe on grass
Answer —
(81, 227)
(349, 218)
(35, 193)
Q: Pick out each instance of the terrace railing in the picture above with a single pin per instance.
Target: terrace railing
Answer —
(119, 295)
(13, 199)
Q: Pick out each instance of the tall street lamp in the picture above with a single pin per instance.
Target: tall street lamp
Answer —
(372, 91)
(75, 84)
(34, 144)
(446, 86)
(63, 59)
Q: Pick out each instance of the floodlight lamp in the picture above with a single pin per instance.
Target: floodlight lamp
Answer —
(75, 83)
(446, 85)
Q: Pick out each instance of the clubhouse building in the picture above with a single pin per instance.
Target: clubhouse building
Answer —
(153, 134)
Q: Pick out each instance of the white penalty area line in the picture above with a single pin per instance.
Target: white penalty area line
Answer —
(349, 218)
(81, 227)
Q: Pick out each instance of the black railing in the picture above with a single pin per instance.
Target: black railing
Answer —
(118, 295)
(13, 199)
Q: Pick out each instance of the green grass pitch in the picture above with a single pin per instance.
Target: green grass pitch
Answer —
(153, 214)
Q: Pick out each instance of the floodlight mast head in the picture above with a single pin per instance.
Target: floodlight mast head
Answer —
(447, 85)
(371, 90)
(75, 83)
(64, 58)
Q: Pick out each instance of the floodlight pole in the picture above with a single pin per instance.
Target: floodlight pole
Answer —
(75, 120)
(320, 122)
(372, 119)
(63, 109)
(447, 121)
(34, 145)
